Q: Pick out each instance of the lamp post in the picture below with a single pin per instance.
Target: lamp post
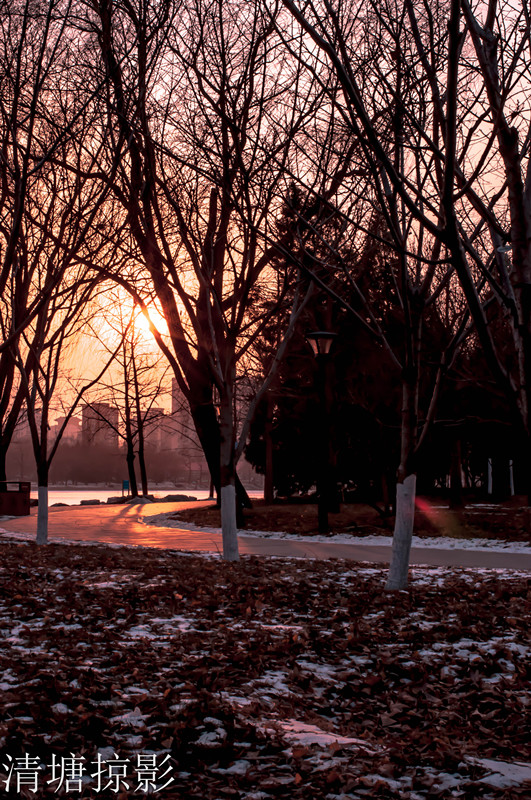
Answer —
(321, 342)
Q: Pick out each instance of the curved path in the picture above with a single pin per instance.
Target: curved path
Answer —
(123, 524)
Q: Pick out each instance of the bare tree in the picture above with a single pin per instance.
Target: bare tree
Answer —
(46, 211)
(28, 35)
(500, 37)
(134, 386)
(46, 341)
(405, 164)
(201, 116)
(60, 247)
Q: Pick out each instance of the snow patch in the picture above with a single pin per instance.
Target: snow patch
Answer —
(303, 734)
(503, 774)
(238, 768)
(436, 542)
(60, 708)
(134, 718)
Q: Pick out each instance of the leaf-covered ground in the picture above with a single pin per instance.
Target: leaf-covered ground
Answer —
(264, 679)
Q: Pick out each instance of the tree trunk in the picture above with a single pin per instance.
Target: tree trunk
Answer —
(456, 483)
(130, 458)
(42, 508)
(489, 477)
(208, 431)
(386, 493)
(143, 470)
(268, 477)
(402, 534)
(3, 468)
(229, 528)
(406, 485)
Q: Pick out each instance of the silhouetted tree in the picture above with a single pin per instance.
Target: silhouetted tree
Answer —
(414, 116)
(202, 142)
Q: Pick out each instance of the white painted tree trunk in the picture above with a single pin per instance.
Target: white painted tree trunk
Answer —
(42, 515)
(229, 528)
(403, 532)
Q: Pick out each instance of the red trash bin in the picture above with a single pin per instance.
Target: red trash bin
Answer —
(15, 502)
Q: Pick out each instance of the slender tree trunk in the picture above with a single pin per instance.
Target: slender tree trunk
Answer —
(3, 468)
(42, 508)
(142, 456)
(143, 470)
(405, 487)
(456, 483)
(140, 425)
(130, 453)
(268, 477)
(207, 427)
(489, 477)
(403, 532)
(386, 494)
(130, 458)
(229, 527)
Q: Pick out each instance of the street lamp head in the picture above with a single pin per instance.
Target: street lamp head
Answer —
(321, 341)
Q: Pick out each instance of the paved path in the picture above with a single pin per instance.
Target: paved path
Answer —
(123, 524)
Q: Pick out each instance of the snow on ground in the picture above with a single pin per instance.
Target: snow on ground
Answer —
(435, 542)
(502, 774)
(283, 676)
(10, 537)
(300, 733)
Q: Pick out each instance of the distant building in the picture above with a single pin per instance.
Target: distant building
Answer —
(22, 431)
(186, 442)
(99, 425)
(184, 434)
(72, 431)
(158, 429)
(183, 438)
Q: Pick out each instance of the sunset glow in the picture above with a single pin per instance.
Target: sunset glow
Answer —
(265, 296)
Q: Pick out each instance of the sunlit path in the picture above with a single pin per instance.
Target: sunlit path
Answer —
(122, 524)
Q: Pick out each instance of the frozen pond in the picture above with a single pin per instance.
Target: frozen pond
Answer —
(73, 496)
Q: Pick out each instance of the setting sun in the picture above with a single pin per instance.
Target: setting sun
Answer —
(155, 317)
